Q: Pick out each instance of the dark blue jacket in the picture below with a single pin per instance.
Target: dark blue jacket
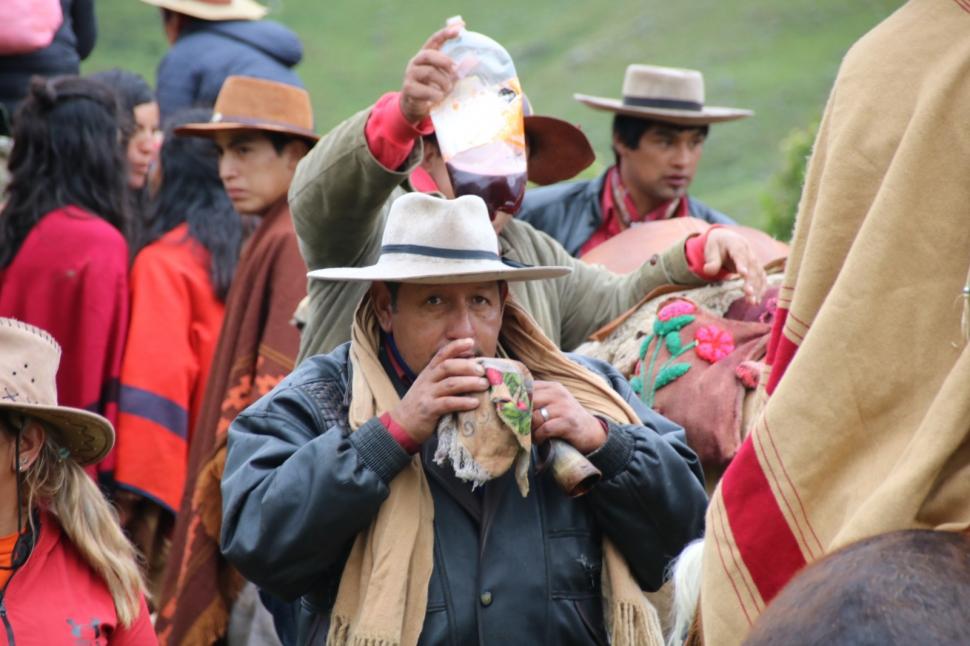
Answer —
(72, 43)
(572, 212)
(298, 487)
(205, 53)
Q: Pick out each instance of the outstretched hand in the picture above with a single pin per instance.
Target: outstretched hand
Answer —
(428, 77)
(442, 388)
(728, 250)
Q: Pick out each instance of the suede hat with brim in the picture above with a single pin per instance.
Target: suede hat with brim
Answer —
(432, 240)
(558, 150)
(29, 358)
(246, 103)
(213, 9)
(664, 94)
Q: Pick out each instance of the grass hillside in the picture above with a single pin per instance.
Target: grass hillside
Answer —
(777, 57)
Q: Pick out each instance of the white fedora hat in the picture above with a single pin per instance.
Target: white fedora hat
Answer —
(29, 358)
(428, 239)
(665, 94)
(214, 9)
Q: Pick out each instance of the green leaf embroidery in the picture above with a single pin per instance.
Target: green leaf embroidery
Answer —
(663, 328)
(645, 345)
(673, 342)
(636, 383)
(669, 374)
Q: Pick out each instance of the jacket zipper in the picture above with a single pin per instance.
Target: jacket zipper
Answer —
(3, 609)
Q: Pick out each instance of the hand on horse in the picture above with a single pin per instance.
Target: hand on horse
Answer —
(563, 417)
(441, 388)
(730, 251)
(428, 77)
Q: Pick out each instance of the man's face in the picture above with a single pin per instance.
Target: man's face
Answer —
(662, 166)
(255, 175)
(426, 318)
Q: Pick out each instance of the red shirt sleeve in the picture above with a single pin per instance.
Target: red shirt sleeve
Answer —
(398, 433)
(695, 256)
(389, 135)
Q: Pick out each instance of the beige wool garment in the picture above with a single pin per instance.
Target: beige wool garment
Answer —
(868, 431)
(383, 593)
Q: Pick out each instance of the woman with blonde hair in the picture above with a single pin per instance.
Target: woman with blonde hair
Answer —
(67, 573)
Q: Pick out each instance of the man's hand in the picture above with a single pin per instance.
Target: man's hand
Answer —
(729, 250)
(565, 418)
(428, 78)
(441, 388)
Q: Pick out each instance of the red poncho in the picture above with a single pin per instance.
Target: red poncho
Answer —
(70, 277)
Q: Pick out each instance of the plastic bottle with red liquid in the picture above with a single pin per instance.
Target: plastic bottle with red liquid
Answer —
(479, 125)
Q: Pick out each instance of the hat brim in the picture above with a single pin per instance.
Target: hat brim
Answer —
(709, 114)
(438, 273)
(87, 436)
(238, 10)
(558, 150)
(211, 129)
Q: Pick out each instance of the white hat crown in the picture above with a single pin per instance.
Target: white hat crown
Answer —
(429, 239)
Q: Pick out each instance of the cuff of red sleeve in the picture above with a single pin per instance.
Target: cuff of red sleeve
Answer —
(399, 434)
(694, 250)
(389, 135)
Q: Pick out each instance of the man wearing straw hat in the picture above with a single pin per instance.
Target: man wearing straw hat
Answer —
(343, 189)
(659, 128)
(336, 487)
(262, 129)
(214, 39)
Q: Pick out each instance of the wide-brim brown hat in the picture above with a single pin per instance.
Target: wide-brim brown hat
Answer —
(213, 9)
(429, 239)
(249, 103)
(665, 94)
(29, 358)
(558, 150)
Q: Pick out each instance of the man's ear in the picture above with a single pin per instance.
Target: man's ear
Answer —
(619, 147)
(381, 300)
(294, 151)
(430, 153)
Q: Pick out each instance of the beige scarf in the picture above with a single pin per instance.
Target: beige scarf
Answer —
(383, 591)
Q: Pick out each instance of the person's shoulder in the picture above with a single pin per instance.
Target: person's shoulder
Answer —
(707, 213)
(321, 378)
(174, 253)
(543, 197)
(85, 228)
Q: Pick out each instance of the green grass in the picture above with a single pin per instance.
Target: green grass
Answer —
(777, 57)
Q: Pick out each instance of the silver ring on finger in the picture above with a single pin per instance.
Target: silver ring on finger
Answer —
(544, 414)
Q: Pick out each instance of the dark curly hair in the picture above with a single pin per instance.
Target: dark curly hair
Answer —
(67, 151)
(191, 191)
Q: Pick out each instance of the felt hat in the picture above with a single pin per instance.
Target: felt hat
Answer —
(29, 358)
(558, 150)
(429, 239)
(249, 103)
(664, 94)
(213, 9)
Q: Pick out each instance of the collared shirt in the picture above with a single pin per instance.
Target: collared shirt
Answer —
(619, 210)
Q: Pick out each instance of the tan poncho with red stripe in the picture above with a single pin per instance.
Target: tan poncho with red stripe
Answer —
(867, 425)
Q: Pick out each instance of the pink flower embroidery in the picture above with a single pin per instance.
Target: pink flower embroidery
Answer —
(494, 376)
(675, 309)
(713, 343)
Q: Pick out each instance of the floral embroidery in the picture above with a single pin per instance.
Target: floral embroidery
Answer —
(713, 343)
(649, 378)
(675, 309)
